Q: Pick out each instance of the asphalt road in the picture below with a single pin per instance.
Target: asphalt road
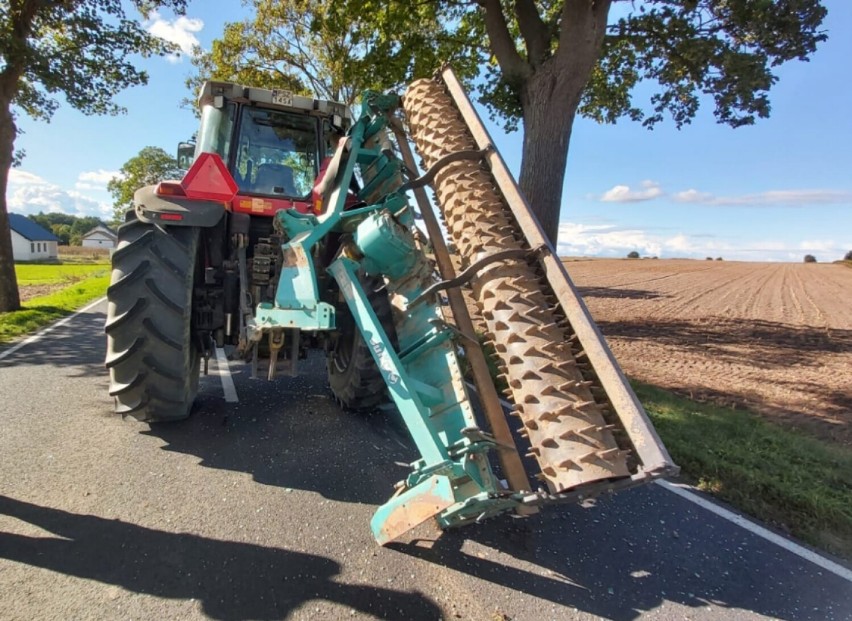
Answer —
(260, 510)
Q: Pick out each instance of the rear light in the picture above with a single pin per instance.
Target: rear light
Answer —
(170, 188)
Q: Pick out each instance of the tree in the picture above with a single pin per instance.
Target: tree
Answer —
(315, 48)
(545, 60)
(633, 255)
(809, 258)
(79, 48)
(548, 60)
(151, 165)
(848, 256)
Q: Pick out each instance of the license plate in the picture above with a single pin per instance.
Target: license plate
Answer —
(282, 98)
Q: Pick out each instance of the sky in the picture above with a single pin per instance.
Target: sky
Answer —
(771, 192)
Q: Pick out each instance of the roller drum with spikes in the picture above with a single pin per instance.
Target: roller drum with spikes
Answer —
(566, 427)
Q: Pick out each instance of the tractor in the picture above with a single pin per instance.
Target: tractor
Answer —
(294, 229)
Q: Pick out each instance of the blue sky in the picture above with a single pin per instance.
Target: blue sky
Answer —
(774, 191)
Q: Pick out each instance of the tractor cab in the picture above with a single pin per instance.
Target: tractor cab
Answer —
(272, 143)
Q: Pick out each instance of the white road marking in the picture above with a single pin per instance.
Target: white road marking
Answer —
(38, 335)
(684, 491)
(809, 555)
(224, 371)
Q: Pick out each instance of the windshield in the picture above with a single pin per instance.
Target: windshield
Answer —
(277, 153)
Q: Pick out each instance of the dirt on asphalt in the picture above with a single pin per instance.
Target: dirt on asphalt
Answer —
(775, 338)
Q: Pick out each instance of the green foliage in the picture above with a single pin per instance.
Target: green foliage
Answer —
(82, 49)
(780, 476)
(633, 255)
(151, 165)
(336, 50)
(685, 48)
(68, 228)
(726, 50)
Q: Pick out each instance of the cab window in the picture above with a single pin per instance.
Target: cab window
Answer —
(277, 153)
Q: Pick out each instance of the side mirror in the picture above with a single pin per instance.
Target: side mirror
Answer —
(185, 155)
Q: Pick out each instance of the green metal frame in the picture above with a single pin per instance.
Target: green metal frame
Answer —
(452, 480)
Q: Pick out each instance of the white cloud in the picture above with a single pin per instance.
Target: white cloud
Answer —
(604, 240)
(99, 176)
(21, 177)
(95, 180)
(611, 241)
(786, 198)
(30, 194)
(180, 31)
(625, 194)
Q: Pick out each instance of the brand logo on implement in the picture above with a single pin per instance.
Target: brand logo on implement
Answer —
(385, 363)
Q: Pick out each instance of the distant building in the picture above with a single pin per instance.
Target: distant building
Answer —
(99, 237)
(31, 242)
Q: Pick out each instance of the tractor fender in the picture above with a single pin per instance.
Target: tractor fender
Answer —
(175, 210)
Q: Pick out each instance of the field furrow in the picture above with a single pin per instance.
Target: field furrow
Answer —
(773, 337)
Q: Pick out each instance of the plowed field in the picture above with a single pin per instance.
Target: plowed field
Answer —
(775, 338)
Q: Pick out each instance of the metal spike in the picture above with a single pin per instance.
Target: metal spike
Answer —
(611, 454)
(568, 386)
(569, 464)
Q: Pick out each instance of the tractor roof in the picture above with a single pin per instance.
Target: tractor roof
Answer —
(278, 98)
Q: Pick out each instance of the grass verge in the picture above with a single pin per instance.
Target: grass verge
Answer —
(791, 481)
(43, 310)
(51, 273)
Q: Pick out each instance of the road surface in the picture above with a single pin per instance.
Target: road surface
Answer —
(260, 509)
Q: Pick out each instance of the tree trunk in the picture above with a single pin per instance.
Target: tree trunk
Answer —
(9, 298)
(550, 104)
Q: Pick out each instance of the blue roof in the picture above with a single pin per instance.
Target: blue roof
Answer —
(27, 228)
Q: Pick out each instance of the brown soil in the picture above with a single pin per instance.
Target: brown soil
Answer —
(775, 338)
(33, 291)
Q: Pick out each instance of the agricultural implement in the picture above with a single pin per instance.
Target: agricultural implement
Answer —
(293, 230)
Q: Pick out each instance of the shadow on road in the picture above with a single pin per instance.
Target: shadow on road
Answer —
(290, 433)
(231, 580)
(616, 563)
(79, 347)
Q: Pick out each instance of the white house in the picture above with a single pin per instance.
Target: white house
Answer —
(31, 242)
(99, 237)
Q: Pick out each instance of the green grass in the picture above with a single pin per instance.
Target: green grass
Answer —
(43, 310)
(790, 480)
(53, 273)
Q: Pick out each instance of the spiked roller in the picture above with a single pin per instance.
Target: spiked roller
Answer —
(530, 309)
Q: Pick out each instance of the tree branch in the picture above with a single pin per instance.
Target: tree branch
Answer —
(582, 32)
(503, 47)
(535, 32)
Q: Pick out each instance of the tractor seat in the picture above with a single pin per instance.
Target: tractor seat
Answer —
(274, 179)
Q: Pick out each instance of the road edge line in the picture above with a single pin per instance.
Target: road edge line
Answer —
(685, 492)
(38, 335)
(223, 370)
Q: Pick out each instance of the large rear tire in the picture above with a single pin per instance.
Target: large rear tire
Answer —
(355, 380)
(152, 358)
